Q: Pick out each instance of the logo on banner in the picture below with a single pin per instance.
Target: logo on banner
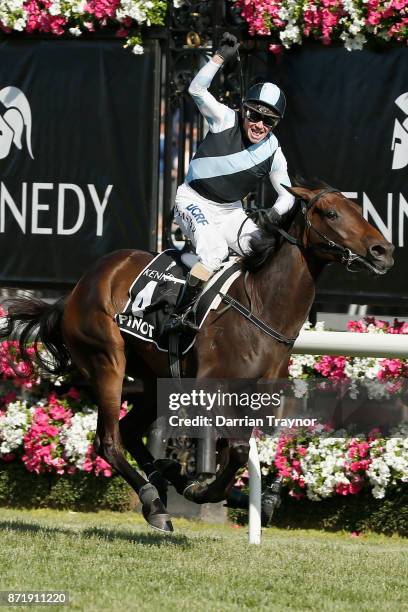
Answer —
(15, 122)
(400, 136)
(15, 131)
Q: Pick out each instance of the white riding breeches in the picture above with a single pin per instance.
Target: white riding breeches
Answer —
(212, 227)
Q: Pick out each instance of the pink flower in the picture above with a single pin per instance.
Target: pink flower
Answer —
(277, 50)
(102, 8)
(101, 466)
(342, 489)
(124, 409)
(87, 465)
(331, 366)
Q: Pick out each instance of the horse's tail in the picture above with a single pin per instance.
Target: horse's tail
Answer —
(34, 322)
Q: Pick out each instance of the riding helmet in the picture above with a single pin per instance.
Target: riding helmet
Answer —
(268, 96)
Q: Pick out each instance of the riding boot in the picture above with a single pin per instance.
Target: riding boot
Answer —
(179, 321)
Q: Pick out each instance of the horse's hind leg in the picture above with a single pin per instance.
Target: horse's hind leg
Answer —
(107, 372)
(132, 426)
(220, 488)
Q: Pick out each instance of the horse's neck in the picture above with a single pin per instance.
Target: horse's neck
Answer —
(285, 289)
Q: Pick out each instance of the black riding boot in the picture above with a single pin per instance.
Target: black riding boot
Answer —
(179, 321)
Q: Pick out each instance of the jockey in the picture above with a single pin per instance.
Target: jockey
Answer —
(238, 150)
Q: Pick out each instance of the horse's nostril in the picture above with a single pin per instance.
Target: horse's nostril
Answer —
(379, 251)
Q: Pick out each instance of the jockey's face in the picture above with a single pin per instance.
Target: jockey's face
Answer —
(255, 131)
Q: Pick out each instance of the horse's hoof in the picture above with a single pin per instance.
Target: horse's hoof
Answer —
(161, 521)
(195, 492)
(270, 501)
(153, 509)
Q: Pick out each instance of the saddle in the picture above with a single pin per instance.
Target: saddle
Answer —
(153, 297)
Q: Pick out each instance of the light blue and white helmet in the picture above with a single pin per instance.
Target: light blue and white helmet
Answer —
(266, 96)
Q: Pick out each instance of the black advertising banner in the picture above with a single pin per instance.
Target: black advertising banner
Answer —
(76, 156)
(347, 123)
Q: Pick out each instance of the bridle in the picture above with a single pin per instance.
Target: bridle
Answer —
(345, 256)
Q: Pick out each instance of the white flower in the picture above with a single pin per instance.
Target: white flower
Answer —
(13, 426)
(75, 31)
(300, 388)
(137, 50)
(267, 449)
(55, 8)
(75, 436)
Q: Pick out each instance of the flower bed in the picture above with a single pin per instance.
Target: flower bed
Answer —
(355, 22)
(46, 454)
(288, 22)
(315, 465)
(318, 467)
(75, 17)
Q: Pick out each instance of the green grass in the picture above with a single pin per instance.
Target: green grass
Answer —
(111, 561)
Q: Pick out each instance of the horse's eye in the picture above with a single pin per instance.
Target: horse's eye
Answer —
(331, 214)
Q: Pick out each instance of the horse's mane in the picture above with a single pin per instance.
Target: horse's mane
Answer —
(270, 241)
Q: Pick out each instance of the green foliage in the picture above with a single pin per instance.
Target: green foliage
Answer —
(354, 513)
(22, 489)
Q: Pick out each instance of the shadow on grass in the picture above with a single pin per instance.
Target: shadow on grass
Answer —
(23, 527)
(152, 538)
(110, 535)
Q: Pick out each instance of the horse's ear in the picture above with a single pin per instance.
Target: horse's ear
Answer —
(299, 192)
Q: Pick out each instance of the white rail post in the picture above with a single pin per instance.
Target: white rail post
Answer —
(255, 491)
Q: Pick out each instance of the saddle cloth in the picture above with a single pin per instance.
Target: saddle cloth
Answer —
(153, 296)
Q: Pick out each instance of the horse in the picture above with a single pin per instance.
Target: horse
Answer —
(277, 284)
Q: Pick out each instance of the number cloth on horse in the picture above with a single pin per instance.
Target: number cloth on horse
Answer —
(153, 296)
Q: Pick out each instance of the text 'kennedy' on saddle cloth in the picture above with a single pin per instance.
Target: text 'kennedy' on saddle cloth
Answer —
(153, 296)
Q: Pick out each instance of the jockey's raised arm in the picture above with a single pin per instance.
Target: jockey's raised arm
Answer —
(279, 176)
(238, 149)
(219, 116)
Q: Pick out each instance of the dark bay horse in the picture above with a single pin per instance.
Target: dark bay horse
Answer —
(279, 287)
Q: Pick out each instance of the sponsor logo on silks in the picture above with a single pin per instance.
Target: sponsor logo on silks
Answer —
(136, 323)
(400, 136)
(15, 121)
(197, 214)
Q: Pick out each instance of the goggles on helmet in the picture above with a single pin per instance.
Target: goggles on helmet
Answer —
(255, 116)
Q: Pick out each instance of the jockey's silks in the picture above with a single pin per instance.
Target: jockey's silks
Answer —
(227, 166)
